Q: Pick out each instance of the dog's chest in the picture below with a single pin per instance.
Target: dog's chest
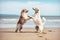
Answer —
(25, 16)
(37, 18)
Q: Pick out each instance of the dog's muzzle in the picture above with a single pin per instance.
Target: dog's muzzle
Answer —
(26, 11)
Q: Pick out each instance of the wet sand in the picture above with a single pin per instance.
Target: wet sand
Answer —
(29, 34)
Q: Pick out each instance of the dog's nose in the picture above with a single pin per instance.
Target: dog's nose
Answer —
(27, 11)
(33, 8)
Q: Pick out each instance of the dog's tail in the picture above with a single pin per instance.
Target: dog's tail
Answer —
(44, 20)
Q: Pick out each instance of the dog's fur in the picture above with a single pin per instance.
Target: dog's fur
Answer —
(23, 18)
(38, 21)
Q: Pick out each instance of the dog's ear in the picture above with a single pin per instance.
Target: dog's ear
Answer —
(33, 8)
(22, 11)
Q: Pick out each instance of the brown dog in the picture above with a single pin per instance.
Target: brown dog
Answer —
(23, 18)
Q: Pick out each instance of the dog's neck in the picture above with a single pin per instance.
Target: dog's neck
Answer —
(24, 15)
(37, 14)
(36, 11)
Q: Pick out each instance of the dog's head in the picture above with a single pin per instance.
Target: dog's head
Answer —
(36, 10)
(24, 11)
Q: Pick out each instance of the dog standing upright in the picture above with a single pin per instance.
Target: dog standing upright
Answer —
(38, 21)
(23, 18)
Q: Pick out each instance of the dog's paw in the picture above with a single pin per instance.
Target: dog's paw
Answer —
(16, 31)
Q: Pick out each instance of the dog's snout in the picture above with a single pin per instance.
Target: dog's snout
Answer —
(27, 11)
(33, 8)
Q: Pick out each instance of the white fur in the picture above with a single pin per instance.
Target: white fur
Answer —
(25, 16)
(37, 19)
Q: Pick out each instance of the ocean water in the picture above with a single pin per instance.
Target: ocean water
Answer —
(51, 22)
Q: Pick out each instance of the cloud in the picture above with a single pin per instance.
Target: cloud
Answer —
(16, 7)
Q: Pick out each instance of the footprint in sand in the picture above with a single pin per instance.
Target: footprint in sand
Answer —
(44, 33)
(46, 39)
(50, 30)
(40, 36)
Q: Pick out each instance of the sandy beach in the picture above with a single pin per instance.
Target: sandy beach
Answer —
(29, 34)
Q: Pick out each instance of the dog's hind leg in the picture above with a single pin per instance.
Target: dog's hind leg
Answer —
(41, 28)
(37, 28)
(18, 25)
(16, 28)
(20, 28)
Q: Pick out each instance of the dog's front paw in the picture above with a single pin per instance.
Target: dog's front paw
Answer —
(29, 17)
(16, 31)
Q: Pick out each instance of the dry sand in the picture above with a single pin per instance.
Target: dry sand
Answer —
(29, 34)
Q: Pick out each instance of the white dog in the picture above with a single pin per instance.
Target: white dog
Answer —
(38, 21)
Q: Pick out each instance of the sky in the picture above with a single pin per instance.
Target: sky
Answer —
(14, 7)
